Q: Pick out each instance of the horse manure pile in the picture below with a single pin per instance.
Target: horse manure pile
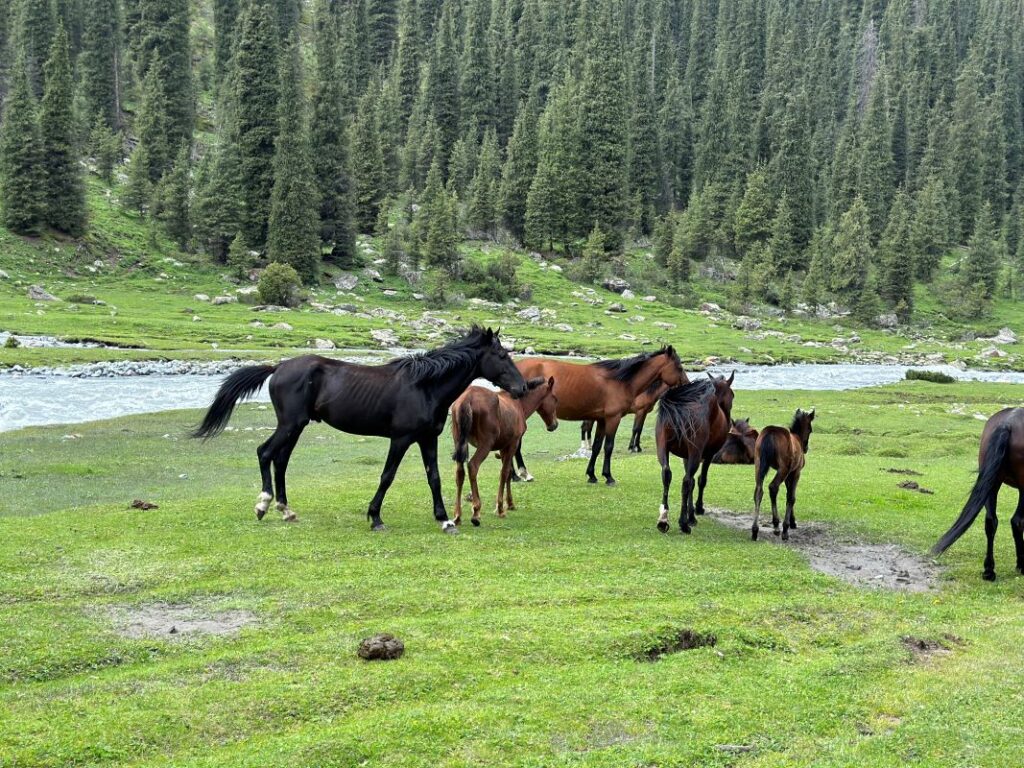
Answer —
(910, 485)
(682, 640)
(174, 620)
(382, 647)
(895, 471)
(879, 566)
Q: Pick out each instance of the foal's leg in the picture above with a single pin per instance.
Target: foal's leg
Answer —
(773, 491)
(474, 489)
(399, 445)
(638, 429)
(281, 458)
(611, 426)
(666, 482)
(701, 482)
(509, 471)
(686, 516)
(503, 482)
(758, 495)
(991, 524)
(789, 521)
(460, 479)
(598, 442)
(1017, 526)
(428, 450)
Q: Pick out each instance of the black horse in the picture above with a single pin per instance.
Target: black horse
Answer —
(406, 400)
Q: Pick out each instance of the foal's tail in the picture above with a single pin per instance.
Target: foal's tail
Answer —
(766, 456)
(987, 483)
(462, 426)
(242, 384)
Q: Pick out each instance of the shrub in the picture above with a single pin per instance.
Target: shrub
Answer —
(497, 281)
(12, 342)
(936, 377)
(279, 284)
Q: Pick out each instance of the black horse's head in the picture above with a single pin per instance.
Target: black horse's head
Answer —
(802, 427)
(724, 393)
(496, 365)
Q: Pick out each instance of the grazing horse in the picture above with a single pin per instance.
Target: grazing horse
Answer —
(739, 444)
(605, 391)
(642, 406)
(693, 422)
(783, 450)
(406, 400)
(494, 421)
(1000, 460)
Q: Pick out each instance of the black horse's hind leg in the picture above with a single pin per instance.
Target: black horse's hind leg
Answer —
(666, 484)
(686, 516)
(281, 458)
(598, 442)
(701, 482)
(991, 524)
(399, 445)
(609, 449)
(634, 438)
(1017, 526)
(428, 450)
(269, 454)
(523, 475)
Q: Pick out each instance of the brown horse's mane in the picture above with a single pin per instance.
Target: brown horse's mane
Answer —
(439, 362)
(626, 368)
(681, 405)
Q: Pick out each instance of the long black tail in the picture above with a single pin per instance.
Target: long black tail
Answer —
(242, 384)
(463, 428)
(987, 483)
(766, 457)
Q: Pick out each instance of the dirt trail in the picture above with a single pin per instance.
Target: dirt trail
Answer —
(885, 566)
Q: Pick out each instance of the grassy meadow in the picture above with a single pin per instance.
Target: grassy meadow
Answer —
(527, 639)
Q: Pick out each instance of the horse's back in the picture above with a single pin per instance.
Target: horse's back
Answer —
(583, 390)
(1013, 419)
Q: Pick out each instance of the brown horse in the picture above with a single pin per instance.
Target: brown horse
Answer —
(693, 422)
(1000, 460)
(642, 406)
(494, 421)
(739, 444)
(783, 450)
(605, 391)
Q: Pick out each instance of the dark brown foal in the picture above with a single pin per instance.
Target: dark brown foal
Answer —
(783, 450)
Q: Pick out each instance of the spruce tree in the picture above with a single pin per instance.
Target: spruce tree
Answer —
(644, 162)
(594, 257)
(442, 85)
(482, 214)
(782, 243)
(929, 228)
(105, 147)
(367, 165)
(981, 267)
(382, 22)
(852, 254)
(755, 214)
(137, 191)
(664, 233)
(216, 210)
(21, 158)
(64, 191)
(477, 85)
(293, 233)
(255, 129)
(36, 26)
(151, 127)
(966, 152)
(896, 278)
(99, 61)
(875, 174)
(679, 255)
(438, 225)
(330, 142)
(225, 17)
(166, 53)
(173, 196)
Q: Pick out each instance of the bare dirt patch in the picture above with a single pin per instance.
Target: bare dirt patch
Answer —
(173, 620)
(681, 640)
(881, 566)
(924, 648)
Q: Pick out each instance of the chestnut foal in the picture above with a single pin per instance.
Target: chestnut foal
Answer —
(783, 450)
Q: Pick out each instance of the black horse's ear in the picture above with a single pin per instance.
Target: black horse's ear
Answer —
(710, 376)
(731, 377)
(811, 414)
(488, 335)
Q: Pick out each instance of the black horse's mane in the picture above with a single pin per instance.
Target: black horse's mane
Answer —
(680, 406)
(626, 368)
(798, 418)
(440, 362)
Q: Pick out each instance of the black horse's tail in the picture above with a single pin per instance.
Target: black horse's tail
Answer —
(463, 426)
(766, 456)
(987, 483)
(242, 384)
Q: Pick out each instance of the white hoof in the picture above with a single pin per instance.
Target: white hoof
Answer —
(287, 514)
(263, 503)
(448, 526)
(526, 477)
(662, 514)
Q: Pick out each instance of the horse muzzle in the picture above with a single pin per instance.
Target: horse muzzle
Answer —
(552, 427)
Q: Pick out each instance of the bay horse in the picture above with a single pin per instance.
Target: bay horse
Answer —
(1000, 461)
(693, 421)
(604, 391)
(739, 444)
(406, 400)
(783, 450)
(494, 421)
(642, 406)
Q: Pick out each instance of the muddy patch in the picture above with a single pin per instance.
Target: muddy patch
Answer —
(923, 648)
(895, 471)
(175, 620)
(674, 642)
(880, 566)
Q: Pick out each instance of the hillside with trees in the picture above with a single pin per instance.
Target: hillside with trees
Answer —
(795, 151)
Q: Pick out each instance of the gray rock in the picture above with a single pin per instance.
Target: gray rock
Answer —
(745, 323)
(660, 324)
(628, 294)
(38, 293)
(247, 290)
(346, 282)
(373, 274)
(389, 292)
(616, 307)
(649, 298)
(710, 306)
(992, 352)
(1005, 336)
(3, 275)
(201, 297)
(887, 320)
(384, 336)
(217, 300)
(530, 313)
(270, 308)
(554, 268)
(564, 327)
(615, 284)
(282, 327)
(324, 344)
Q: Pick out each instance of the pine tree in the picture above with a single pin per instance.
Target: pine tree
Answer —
(483, 191)
(36, 26)
(99, 62)
(896, 279)
(367, 165)
(966, 153)
(64, 191)
(644, 162)
(21, 158)
(477, 85)
(151, 126)
(594, 257)
(875, 175)
(437, 222)
(173, 200)
(929, 228)
(664, 232)
(981, 267)
(216, 209)
(239, 258)
(782, 244)
(816, 282)
(679, 255)
(442, 85)
(382, 21)
(105, 147)
(407, 60)
(753, 221)
(166, 53)
(255, 129)
(225, 18)
(293, 232)
(852, 254)
(330, 142)
(137, 192)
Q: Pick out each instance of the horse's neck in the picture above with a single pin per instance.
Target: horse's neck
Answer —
(530, 402)
(448, 388)
(650, 371)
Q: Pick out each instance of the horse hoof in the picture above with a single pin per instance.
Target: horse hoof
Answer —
(785, 536)
(514, 478)
(792, 526)
(610, 483)
(776, 532)
(700, 510)
(451, 530)
(475, 522)
(663, 526)
(753, 534)
(591, 479)
(378, 528)
(291, 517)
(260, 512)
(527, 478)
(685, 529)
(989, 575)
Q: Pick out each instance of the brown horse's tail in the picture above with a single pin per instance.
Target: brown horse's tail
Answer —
(987, 483)
(462, 426)
(243, 383)
(766, 456)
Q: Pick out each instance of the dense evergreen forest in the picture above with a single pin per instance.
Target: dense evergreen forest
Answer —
(827, 150)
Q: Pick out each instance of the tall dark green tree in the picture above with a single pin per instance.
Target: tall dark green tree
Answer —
(441, 91)
(99, 62)
(65, 193)
(173, 206)
(519, 169)
(982, 265)
(367, 164)
(22, 178)
(896, 278)
(37, 24)
(152, 126)
(165, 50)
(225, 17)
(852, 254)
(482, 213)
(293, 233)
(382, 20)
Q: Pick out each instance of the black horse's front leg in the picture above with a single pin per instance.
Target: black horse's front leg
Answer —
(595, 452)
(428, 449)
(991, 524)
(701, 482)
(610, 428)
(399, 445)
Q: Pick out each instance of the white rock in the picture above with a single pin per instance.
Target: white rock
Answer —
(888, 320)
(616, 308)
(282, 327)
(346, 282)
(746, 323)
(246, 290)
(38, 293)
(650, 298)
(991, 352)
(554, 268)
(564, 327)
(201, 297)
(710, 306)
(373, 274)
(324, 344)
(530, 313)
(628, 294)
(3, 275)
(218, 300)
(1005, 336)
(384, 336)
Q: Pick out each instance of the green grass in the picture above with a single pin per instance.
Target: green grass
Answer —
(148, 287)
(520, 635)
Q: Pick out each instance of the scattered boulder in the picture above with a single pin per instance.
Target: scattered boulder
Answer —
(218, 300)
(389, 292)
(530, 313)
(992, 352)
(1005, 336)
(628, 294)
(38, 293)
(564, 327)
(3, 275)
(710, 306)
(346, 282)
(324, 344)
(554, 268)
(282, 327)
(887, 320)
(660, 324)
(649, 298)
(615, 284)
(247, 290)
(373, 274)
(745, 323)
(269, 308)
(384, 336)
(616, 308)
(201, 297)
